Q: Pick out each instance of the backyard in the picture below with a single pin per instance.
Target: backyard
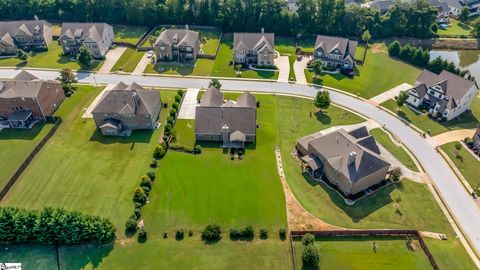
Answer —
(201, 67)
(465, 162)
(129, 33)
(455, 29)
(422, 121)
(16, 145)
(382, 138)
(378, 74)
(53, 58)
(184, 133)
(128, 61)
(390, 253)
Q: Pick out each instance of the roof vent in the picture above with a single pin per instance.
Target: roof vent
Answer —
(2, 85)
(351, 157)
(186, 26)
(263, 30)
(35, 17)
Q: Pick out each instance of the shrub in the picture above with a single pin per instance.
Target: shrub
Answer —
(151, 175)
(211, 233)
(282, 233)
(396, 174)
(394, 48)
(146, 182)
(142, 234)
(308, 239)
(139, 196)
(137, 212)
(153, 163)
(170, 120)
(190, 233)
(310, 256)
(165, 105)
(179, 234)
(197, 149)
(159, 151)
(131, 224)
(234, 233)
(175, 105)
(180, 92)
(245, 233)
(178, 98)
(458, 146)
(173, 112)
(168, 128)
(263, 233)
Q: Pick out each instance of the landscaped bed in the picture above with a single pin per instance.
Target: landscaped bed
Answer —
(378, 74)
(128, 61)
(465, 162)
(382, 138)
(53, 58)
(422, 121)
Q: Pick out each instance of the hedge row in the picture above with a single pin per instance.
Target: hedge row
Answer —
(213, 233)
(53, 225)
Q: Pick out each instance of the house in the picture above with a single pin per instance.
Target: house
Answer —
(26, 100)
(472, 5)
(335, 52)
(446, 95)
(455, 7)
(349, 161)
(292, 5)
(126, 108)
(27, 35)
(442, 7)
(255, 49)
(233, 123)
(381, 5)
(181, 45)
(96, 37)
(476, 138)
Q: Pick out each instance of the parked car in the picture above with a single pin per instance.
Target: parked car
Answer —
(299, 58)
(150, 54)
(157, 125)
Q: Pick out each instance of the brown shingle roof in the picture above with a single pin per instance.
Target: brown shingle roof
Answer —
(183, 37)
(254, 41)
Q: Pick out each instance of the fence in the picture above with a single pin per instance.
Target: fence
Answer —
(26, 162)
(379, 233)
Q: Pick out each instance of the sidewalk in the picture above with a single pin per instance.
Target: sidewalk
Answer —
(111, 58)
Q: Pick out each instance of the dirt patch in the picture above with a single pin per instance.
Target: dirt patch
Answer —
(379, 48)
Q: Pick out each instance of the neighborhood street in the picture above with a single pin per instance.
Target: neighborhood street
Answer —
(465, 210)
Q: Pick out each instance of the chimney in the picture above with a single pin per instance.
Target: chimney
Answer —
(2, 85)
(351, 157)
(35, 17)
(186, 26)
(263, 30)
(225, 134)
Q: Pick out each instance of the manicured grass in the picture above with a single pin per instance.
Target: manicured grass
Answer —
(449, 254)
(129, 33)
(287, 46)
(379, 73)
(209, 39)
(455, 29)
(56, 29)
(195, 190)
(222, 67)
(16, 145)
(128, 61)
(80, 169)
(201, 67)
(396, 150)
(52, 58)
(466, 163)
(356, 253)
(422, 121)
(184, 133)
(30, 256)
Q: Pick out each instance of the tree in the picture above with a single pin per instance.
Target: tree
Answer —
(282, 233)
(396, 174)
(476, 28)
(402, 97)
(146, 182)
(159, 151)
(131, 224)
(464, 14)
(211, 233)
(394, 48)
(322, 100)
(84, 57)
(67, 76)
(22, 55)
(316, 66)
(310, 256)
(215, 83)
(366, 36)
(308, 239)
(139, 196)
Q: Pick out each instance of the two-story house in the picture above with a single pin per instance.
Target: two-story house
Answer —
(476, 138)
(26, 100)
(335, 52)
(256, 49)
(96, 37)
(182, 45)
(445, 95)
(27, 35)
(126, 108)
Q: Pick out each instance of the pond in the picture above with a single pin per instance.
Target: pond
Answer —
(465, 59)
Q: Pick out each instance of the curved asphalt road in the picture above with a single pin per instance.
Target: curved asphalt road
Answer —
(460, 203)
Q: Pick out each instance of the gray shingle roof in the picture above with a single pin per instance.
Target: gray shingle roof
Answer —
(336, 147)
(452, 85)
(330, 44)
(8, 29)
(25, 85)
(93, 31)
(182, 37)
(254, 41)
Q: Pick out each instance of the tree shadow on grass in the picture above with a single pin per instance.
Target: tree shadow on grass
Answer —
(323, 118)
(80, 256)
(362, 208)
(404, 116)
(137, 136)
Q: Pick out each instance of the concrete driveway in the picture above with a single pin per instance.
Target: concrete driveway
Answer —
(460, 204)
(111, 58)
(451, 136)
(141, 65)
(88, 111)
(283, 66)
(299, 69)
(187, 109)
(390, 93)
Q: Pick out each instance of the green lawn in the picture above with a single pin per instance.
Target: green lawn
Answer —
(129, 33)
(455, 29)
(467, 164)
(356, 253)
(16, 145)
(201, 67)
(422, 121)
(287, 46)
(82, 170)
(209, 39)
(31, 256)
(222, 67)
(379, 73)
(56, 29)
(184, 133)
(128, 61)
(52, 58)
(383, 138)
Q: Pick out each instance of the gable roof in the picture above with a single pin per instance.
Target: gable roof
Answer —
(26, 85)
(9, 29)
(183, 37)
(254, 41)
(338, 147)
(330, 44)
(93, 31)
(129, 99)
(451, 84)
(212, 97)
